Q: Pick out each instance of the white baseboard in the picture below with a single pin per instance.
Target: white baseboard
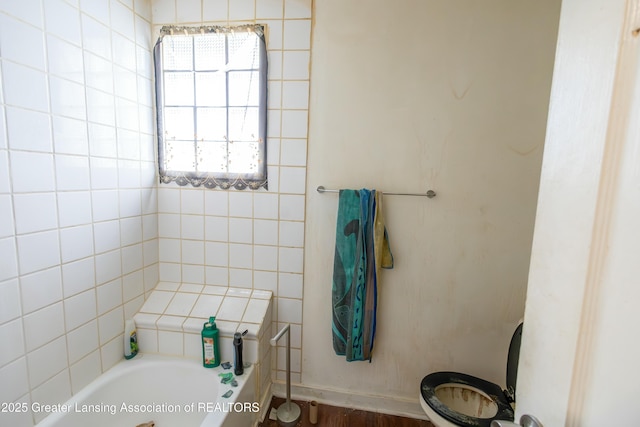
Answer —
(387, 405)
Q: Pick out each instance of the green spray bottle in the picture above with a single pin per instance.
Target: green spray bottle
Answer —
(210, 344)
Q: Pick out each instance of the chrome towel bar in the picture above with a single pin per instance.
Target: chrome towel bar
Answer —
(430, 193)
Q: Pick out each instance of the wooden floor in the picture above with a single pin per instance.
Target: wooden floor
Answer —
(333, 416)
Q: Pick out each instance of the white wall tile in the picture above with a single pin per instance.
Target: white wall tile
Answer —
(130, 202)
(294, 123)
(102, 141)
(4, 172)
(240, 256)
(67, 98)
(42, 326)
(143, 8)
(275, 59)
(3, 126)
(217, 276)
(131, 230)
(216, 228)
(65, 59)
(85, 371)
(25, 87)
(35, 212)
(292, 207)
(47, 361)
(214, 10)
(96, 37)
(291, 260)
(132, 258)
(242, 10)
(54, 391)
(265, 232)
(265, 257)
(132, 285)
(63, 20)
(28, 130)
(70, 136)
(27, 10)
(293, 152)
(297, 34)
(292, 233)
(192, 226)
(269, 9)
(9, 300)
(76, 242)
(74, 208)
(290, 285)
(170, 343)
(97, 9)
(189, 11)
(111, 325)
(192, 252)
(106, 236)
(266, 206)
(100, 107)
(109, 296)
(297, 9)
(295, 65)
(11, 334)
(22, 166)
(6, 216)
(78, 276)
(240, 230)
(80, 309)
(295, 95)
(143, 33)
(72, 172)
(122, 20)
(38, 251)
(163, 11)
(8, 259)
(30, 51)
(41, 289)
(216, 203)
(292, 180)
(105, 205)
(169, 225)
(289, 310)
(111, 352)
(240, 204)
(267, 280)
(15, 374)
(240, 278)
(192, 202)
(108, 266)
(82, 340)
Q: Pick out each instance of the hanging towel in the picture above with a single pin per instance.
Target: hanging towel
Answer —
(362, 248)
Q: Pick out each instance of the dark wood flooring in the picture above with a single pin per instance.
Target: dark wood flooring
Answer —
(333, 416)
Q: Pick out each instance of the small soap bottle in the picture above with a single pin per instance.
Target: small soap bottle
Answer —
(210, 344)
(130, 339)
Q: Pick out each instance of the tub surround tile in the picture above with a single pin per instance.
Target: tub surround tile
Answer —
(236, 310)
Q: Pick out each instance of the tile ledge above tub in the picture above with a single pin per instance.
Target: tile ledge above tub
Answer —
(184, 307)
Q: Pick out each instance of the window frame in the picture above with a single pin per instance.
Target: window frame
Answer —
(212, 179)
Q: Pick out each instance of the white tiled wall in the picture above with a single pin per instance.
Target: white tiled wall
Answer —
(247, 239)
(78, 203)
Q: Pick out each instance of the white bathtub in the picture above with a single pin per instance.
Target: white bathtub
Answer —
(168, 391)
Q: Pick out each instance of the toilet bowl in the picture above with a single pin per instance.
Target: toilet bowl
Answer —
(455, 399)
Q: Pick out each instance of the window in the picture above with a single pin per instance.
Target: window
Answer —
(211, 102)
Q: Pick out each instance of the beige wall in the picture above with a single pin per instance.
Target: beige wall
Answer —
(409, 96)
